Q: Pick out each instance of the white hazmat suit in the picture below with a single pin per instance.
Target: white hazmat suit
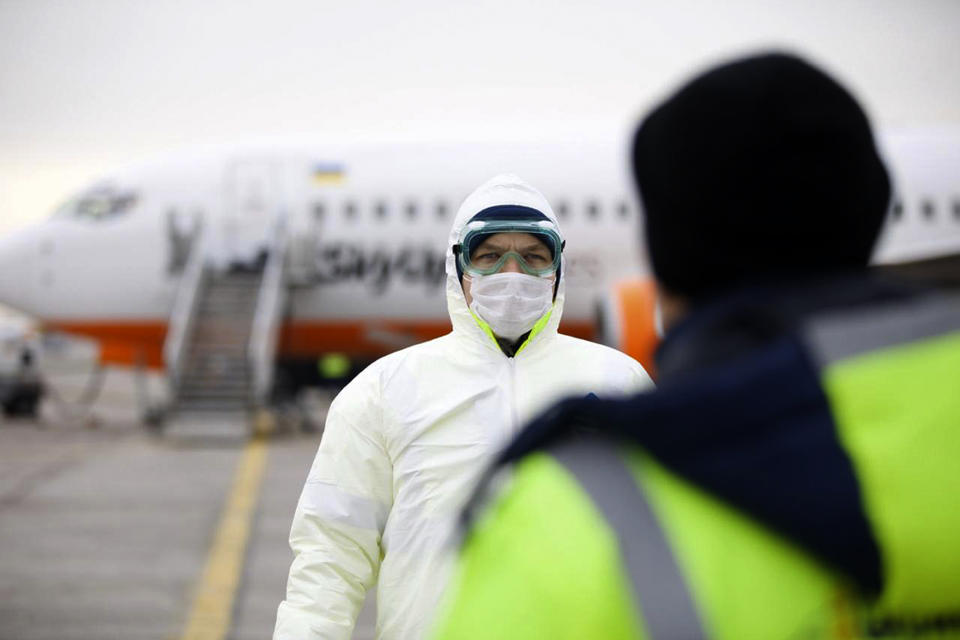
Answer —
(403, 445)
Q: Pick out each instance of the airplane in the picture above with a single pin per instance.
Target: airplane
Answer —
(366, 225)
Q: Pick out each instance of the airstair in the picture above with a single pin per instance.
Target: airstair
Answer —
(221, 343)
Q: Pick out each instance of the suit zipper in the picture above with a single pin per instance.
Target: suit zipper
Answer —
(514, 419)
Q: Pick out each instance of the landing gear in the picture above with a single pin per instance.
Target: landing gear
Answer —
(20, 400)
(21, 391)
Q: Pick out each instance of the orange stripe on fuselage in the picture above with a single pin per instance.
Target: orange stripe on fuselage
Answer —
(126, 342)
(132, 342)
(638, 299)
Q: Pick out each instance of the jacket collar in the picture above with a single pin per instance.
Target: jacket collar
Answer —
(750, 317)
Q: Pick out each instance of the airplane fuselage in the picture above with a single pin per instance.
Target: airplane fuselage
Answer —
(368, 227)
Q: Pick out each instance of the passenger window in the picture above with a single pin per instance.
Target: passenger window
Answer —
(411, 210)
(380, 209)
(350, 210)
(927, 208)
(593, 210)
(441, 209)
(623, 210)
(563, 210)
(956, 209)
(897, 210)
(319, 210)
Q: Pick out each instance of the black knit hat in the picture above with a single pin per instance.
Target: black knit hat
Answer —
(764, 168)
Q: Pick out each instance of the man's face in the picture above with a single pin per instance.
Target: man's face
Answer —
(532, 250)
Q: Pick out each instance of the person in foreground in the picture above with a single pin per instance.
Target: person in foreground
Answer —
(795, 473)
(406, 440)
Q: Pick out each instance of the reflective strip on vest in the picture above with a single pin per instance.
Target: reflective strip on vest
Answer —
(659, 588)
(835, 337)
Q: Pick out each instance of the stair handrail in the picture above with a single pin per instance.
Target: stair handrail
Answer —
(185, 306)
(265, 331)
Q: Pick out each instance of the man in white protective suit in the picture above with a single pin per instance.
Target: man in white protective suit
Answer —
(407, 439)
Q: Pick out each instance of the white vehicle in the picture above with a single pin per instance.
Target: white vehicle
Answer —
(366, 226)
(20, 385)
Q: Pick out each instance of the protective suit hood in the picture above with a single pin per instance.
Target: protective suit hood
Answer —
(503, 189)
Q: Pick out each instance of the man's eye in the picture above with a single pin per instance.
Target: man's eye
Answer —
(536, 258)
(489, 256)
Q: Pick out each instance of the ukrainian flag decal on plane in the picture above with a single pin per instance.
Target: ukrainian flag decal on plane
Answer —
(328, 173)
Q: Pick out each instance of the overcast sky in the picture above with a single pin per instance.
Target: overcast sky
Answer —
(88, 86)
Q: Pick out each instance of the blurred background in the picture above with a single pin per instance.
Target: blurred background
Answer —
(86, 87)
(107, 527)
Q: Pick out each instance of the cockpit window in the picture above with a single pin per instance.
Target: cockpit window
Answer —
(98, 204)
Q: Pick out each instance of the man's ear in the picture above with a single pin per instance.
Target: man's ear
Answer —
(673, 306)
(463, 287)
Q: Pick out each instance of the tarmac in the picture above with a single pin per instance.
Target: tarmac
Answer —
(109, 531)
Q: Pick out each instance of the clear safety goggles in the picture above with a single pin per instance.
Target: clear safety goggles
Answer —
(539, 259)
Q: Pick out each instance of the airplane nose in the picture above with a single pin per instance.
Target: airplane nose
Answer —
(17, 263)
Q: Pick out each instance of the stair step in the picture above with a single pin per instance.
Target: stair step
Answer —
(189, 394)
(221, 285)
(232, 290)
(219, 361)
(227, 369)
(222, 329)
(238, 318)
(218, 331)
(231, 352)
(194, 379)
(195, 393)
(240, 297)
(216, 386)
(220, 278)
(217, 357)
(242, 308)
(210, 334)
(200, 369)
(211, 405)
(241, 311)
(192, 395)
(205, 369)
(233, 293)
(206, 373)
(228, 349)
(245, 303)
(231, 387)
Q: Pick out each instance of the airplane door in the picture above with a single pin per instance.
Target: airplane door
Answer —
(252, 203)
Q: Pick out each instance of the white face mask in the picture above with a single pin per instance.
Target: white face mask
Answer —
(510, 302)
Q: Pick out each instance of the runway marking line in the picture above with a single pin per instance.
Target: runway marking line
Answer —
(212, 610)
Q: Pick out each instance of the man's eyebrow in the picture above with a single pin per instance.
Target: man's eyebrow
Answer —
(533, 244)
(495, 245)
(490, 245)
